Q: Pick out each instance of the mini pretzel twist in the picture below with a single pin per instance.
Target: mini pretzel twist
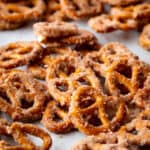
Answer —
(38, 69)
(56, 118)
(120, 18)
(19, 53)
(122, 78)
(13, 15)
(54, 11)
(22, 97)
(77, 9)
(58, 34)
(19, 132)
(87, 110)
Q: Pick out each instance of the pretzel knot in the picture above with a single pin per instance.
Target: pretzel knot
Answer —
(137, 131)
(63, 67)
(20, 133)
(38, 69)
(54, 12)
(122, 78)
(22, 97)
(19, 53)
(77, 9)
(88, 111)
(56, 118)
(13, 15)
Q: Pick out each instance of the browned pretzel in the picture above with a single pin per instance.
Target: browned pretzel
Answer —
(19, 53)
(56, 118)
(14, 15)
(77, 9)
(22, 96)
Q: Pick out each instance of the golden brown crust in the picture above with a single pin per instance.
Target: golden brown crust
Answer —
(122, 18)
(14, 15)
(19, 53)
(54, 11)
(121, 2)
(144, 38)
(56, 118)
(19, 133)
(22, 96)
(78, 9)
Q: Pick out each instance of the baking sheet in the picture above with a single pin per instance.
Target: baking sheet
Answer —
(129, 38)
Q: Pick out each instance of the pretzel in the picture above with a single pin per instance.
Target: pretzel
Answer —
(142, 97)
(13, 15)
(19, 53)
(122, 78)
(19, 133)
(56, 118)
(100, 60)
(60, 34)
(84, 77)
(107, 23)
(38, 69)
(121, 2)
(114, 50)
(22, 97)
(76, 9)
(54, 12)
(63, 67)
(87, 111)
(137, 131)
(104, 141)
(54, 30)
(144, 39)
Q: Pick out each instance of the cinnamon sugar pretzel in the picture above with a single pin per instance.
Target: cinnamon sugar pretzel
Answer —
(14, 15)
(21, 96)
(19, 53)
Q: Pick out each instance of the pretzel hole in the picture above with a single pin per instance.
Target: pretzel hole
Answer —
(102, 82)
(133, 131)
(63, 86)
(111, 111)
(147, 117)
(84, 81)
(5, 97)
(122, 88)
(36, 140)
(122, 20)
(56, 117)
(98, 60)
(11, 11)
(26, 104)
(68, 70)
(86, 101)
(124, 70)
(8, 138)
(92, 119)
(75, 5)
(30, 5)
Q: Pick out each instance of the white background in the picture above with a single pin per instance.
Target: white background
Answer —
(129, 38)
